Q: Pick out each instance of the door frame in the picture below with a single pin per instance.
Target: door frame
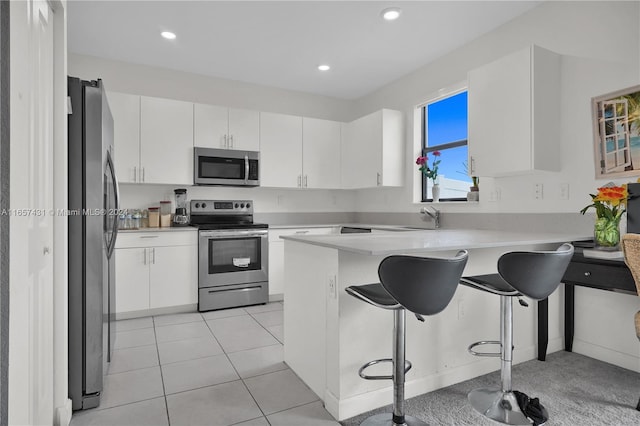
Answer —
(4, 204)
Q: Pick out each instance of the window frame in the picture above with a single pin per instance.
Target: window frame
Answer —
(425, 150)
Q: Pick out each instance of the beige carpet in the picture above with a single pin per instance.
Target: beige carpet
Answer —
(575, 390)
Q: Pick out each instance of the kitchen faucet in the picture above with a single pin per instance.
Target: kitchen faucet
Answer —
(433, 213)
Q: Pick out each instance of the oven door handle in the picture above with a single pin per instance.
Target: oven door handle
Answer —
(233, 234)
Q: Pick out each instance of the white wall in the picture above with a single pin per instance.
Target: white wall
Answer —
(266, 200)
(601, 44)
(158, 82)
(164, 83)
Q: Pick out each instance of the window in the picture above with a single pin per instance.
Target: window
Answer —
(444, 129)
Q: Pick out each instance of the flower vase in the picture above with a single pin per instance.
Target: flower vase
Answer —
(435, 192)
(606, 233)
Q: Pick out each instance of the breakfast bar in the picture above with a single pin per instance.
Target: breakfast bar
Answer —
(329, 334)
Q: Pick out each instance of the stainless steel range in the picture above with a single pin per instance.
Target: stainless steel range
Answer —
(232, 254)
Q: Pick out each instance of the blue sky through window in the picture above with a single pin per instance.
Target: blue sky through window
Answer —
(447, 122)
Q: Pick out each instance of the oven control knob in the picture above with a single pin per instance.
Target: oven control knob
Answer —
(237, 205)
(197, 205)
(248, 205)
(204, 205)
(242, 205)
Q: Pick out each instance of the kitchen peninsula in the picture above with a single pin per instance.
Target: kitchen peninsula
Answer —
(329, 334)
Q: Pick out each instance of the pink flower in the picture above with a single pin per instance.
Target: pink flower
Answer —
(436, 153)
(421, 161)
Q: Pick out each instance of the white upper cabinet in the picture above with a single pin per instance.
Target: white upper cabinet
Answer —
(321, 153)
(299, 152)
(372, 150)
(244, 129)
(514, 114)
(125, 110)
(226, 128)
(281, 150)
(210, 126)
(166, 141)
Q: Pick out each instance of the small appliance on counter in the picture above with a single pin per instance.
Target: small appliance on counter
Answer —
(180, 217)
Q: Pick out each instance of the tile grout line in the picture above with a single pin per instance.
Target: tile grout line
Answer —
(164, 391)
(265, 328)
(236, 370)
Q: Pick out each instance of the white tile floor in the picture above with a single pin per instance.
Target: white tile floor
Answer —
(217, 368)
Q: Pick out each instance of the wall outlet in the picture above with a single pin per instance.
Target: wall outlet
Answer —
(564, 191)
(494, 195)
(538, 191)
(333, 293)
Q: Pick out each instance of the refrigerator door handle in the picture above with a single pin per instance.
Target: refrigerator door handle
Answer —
(116, 188)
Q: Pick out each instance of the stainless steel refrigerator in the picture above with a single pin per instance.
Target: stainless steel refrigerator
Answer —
(93, 205)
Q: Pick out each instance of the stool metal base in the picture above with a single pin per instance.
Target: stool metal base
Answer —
(386, 419)
(499, 406)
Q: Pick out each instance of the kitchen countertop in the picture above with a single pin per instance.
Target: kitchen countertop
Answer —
(354, 225)
(166, 229)
(431, 240)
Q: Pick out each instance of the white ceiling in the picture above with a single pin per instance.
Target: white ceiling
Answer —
(280, 44)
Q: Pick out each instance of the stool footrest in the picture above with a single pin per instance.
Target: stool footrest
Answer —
(407, 367)
(485, 342)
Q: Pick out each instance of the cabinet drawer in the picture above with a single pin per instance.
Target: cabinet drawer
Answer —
(157, 239)
(274, 234)
(600, 276)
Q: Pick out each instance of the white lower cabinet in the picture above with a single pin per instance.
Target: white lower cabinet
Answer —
(132, 280)
(155, 270)
(276, 253)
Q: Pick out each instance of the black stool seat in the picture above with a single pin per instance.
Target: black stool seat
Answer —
(492, 283)
(374, 294)
(535, 274)
(421, 285)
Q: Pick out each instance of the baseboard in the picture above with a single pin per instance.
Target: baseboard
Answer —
(358, 404)
(607, 355)
(157, 311)
(555, 345)
(276, 297)
(63, 414)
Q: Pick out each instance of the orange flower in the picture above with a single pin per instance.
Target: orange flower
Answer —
(613, 195)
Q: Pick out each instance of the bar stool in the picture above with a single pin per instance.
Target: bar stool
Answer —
(422, 285)
(535, 274)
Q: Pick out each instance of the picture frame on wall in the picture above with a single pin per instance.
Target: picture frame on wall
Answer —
(616, 131)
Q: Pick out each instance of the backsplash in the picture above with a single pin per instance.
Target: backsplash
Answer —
(266, 200)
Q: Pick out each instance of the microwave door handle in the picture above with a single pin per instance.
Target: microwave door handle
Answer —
(246, 168)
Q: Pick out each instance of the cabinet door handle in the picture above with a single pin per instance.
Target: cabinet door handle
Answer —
(154, 255)
(472, 162)
(378, 179)
(135, 173)
(142, 180)
(225, 143)
(144, 256)
(299, 181)
(302, 232)
(148, 236)
(305, 181)
(587, 274)
(231, 141)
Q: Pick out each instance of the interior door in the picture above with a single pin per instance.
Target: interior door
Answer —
(31, 349)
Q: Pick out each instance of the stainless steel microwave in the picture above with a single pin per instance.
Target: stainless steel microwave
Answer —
(226, 167)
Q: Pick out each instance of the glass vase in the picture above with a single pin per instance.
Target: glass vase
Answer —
(606, 233)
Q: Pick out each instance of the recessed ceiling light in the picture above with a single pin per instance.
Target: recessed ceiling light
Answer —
(391, 13)
(168, 35)
(324, 67)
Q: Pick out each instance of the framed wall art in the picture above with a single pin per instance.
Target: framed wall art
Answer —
(616, 131)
